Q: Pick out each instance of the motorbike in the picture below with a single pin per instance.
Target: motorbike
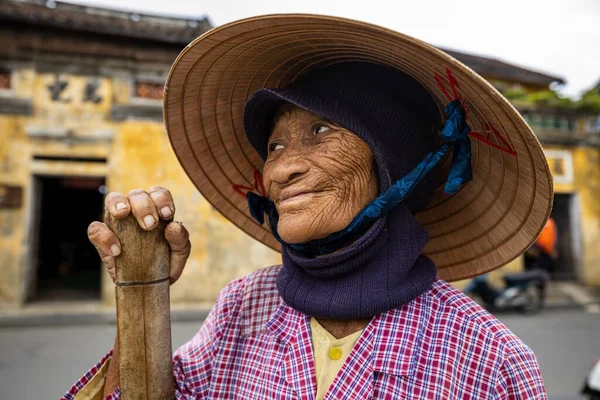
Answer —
(523, 291)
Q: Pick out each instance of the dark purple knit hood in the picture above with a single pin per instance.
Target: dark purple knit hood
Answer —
(383, 269)
(386, 108)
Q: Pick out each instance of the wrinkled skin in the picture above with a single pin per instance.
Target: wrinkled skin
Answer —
(147, 207)
(318, 174)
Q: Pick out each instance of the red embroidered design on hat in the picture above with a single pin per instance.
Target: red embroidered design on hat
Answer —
(489, 135)
(258, 186)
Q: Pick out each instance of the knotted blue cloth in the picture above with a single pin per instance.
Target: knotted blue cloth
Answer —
(454, 135)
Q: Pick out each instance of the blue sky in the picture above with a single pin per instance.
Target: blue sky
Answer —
(559, 37)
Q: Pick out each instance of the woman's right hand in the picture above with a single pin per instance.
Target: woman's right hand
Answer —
(147, 207)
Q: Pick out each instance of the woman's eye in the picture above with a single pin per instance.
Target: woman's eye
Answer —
(321, 129)
(275, 146)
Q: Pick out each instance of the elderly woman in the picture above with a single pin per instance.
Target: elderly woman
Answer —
(369, 159)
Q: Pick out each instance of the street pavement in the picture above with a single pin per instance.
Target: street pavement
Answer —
(43, 362)
(566, 344)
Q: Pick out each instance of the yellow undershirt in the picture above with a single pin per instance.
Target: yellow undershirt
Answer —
(94, 389)
(330, 354)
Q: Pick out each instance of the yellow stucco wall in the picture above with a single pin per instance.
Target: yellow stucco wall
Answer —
(586, 185)
(138, 155)
(17, 167)
(13, 154)
(22, 137)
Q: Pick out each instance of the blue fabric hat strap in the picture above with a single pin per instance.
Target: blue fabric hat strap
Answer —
(454, 134)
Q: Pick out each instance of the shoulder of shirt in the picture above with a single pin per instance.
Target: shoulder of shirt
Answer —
(251, 300)
(458, 307)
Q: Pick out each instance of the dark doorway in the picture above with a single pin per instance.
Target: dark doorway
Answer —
(566, 216)
(68, 266)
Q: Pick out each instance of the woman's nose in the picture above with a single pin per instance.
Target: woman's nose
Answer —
(288, 167)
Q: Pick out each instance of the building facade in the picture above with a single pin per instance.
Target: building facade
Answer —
(81, 115)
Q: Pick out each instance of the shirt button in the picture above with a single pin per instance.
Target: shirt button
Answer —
(335, 353)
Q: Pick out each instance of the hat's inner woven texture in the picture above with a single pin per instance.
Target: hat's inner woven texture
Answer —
(498, 214)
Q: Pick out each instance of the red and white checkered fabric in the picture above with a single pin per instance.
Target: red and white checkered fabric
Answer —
(439, 346)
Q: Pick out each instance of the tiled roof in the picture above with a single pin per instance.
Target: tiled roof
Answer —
(181, 31)
(492, 68)
(103, 21)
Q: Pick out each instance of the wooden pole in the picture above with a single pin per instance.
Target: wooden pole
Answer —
(143, 316)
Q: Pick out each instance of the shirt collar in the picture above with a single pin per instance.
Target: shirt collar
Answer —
(284, 323)
(396, 334)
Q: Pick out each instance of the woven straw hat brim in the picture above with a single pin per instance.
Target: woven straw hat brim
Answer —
(489, 222)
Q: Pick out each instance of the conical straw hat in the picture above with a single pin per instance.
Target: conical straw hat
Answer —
(489, 222)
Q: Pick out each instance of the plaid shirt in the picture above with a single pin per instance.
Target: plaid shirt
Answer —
(439, 346)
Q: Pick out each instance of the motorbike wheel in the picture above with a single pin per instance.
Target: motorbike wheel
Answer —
(534, 301)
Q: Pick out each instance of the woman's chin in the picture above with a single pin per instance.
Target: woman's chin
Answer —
(291, 235)
(295, 229)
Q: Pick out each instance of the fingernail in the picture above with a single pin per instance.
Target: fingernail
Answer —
(149, 221)
(166, 211)
(115, 250)
(121, 206)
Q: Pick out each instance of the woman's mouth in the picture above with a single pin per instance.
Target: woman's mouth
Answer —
(292, 196)
(297, 198)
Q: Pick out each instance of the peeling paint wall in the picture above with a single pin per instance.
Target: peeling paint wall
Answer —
(138, 155)
(70, 128)
(13, 155)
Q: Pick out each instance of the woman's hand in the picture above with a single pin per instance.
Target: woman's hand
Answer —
(147, 208)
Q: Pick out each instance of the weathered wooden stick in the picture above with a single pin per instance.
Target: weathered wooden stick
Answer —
(143, 316)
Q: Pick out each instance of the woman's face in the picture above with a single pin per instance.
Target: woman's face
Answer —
(318, 174)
